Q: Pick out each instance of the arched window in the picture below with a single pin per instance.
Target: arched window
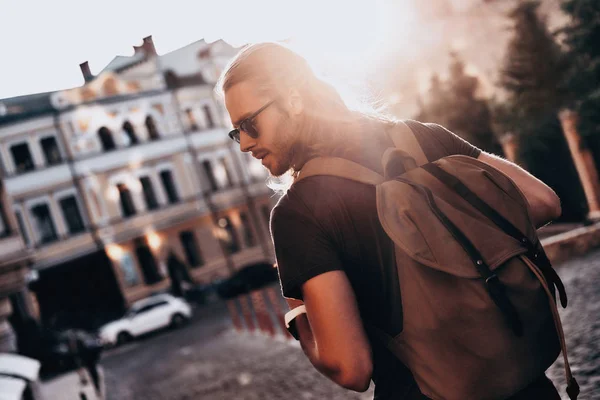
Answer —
(151, 127)
(106, 139)
(130, 132)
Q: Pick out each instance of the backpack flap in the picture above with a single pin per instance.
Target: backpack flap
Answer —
(411, 220)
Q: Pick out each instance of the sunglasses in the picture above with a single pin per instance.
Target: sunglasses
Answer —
(247, 125)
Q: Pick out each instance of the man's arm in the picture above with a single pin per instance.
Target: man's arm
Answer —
(331, 332)
(544, 204)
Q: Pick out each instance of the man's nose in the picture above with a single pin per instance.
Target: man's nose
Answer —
(246, 142)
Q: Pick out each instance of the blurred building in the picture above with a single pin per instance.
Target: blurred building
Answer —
(129, 184)
(13, 270)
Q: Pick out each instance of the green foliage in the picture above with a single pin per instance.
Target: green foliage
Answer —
(582, 38)
(532, 76)
(455, 105)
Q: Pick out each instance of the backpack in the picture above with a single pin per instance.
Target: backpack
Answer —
(478, 292)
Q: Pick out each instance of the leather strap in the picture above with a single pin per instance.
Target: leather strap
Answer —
(572, 385)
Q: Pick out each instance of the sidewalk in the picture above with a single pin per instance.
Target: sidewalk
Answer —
(230, 366)
(70, 386)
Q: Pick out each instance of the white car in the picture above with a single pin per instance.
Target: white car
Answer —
(19, 377)
(145, 316)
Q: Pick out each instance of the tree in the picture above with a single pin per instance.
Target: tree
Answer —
(532, 76)
(582, 38)
(454, 104)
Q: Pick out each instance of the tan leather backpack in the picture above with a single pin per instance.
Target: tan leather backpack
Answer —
(478, 293)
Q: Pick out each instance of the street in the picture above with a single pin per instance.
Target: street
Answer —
(207, 360)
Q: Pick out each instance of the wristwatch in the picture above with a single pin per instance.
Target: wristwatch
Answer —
(290, 320)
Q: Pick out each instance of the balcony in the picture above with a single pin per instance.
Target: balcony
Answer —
(121, 228)
(64, 249)
(135, 155)
(11, 247)
(37, 179)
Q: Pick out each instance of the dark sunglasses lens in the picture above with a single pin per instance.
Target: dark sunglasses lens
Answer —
(235, 135)
(248, 127)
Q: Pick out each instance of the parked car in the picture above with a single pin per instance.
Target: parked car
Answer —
(19, 377)
(147, 315)
(59, 355)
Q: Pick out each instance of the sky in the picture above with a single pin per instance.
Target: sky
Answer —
(43, 42)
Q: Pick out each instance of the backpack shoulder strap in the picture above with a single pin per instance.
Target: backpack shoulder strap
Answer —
(404, 139)
(339, 167)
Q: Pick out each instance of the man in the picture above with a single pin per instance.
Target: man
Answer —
(333, 256)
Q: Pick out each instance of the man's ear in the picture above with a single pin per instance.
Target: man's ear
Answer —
(295, 102)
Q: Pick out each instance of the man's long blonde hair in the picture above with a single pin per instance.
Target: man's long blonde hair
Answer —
(328, 119)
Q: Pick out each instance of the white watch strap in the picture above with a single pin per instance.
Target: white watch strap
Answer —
(290, 315)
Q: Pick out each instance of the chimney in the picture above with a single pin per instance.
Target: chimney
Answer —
(85, 70)
(148, 46)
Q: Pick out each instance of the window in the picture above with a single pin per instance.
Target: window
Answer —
(130, 132)
(210, 123)
(151, 127)
(210, 175)
(147, 261)
(127, 205)
(191, 119)
(249, 238)
(190, 247)
(130, 274)
(51, 151)
(22, 157)
(106, 139)
(167, 180)
(149, 195)
(22, 227)
(70, 211)
(228, 235)
(43, 223)
(149, 307)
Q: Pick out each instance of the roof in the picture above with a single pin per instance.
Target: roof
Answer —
(119, 63)
(23, 107)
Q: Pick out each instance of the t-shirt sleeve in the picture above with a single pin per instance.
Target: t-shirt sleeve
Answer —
(437, 141)
(302, 248)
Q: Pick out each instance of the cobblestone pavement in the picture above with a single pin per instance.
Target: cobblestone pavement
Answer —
(581, 322)
(207, 360)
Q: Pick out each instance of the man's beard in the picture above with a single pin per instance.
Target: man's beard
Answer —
(286, 144)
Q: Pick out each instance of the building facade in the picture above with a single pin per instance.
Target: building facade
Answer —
(129, 184)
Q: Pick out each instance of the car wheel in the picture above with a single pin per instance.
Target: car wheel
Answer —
(123, 337)
(177, 320)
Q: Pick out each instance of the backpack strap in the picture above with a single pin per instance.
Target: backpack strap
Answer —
(572, 385)
(340, 167)
(404, 139)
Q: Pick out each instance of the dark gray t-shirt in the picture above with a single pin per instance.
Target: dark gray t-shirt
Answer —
(326, 223)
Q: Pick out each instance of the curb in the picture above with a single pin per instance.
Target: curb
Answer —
(572, 243)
